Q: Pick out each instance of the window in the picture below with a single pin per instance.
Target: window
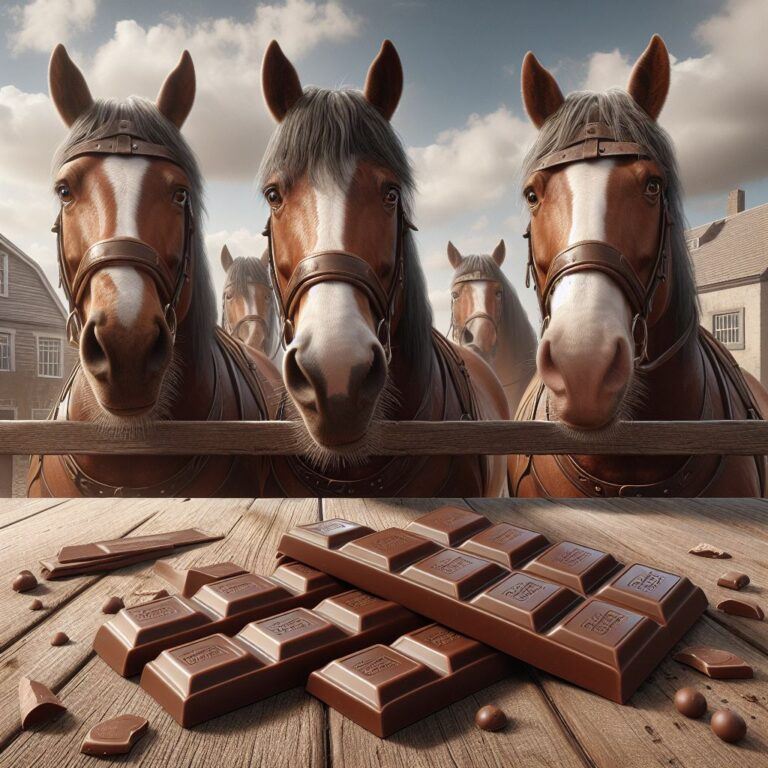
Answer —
(728, 327)
(6, 351)
(49, 353)
(3, 274)
(692, 243)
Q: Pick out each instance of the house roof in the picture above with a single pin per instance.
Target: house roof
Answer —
(733, 249)
(7, 245)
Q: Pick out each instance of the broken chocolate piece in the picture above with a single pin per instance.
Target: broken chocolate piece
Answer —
(37, 703)
(745, 608)
(707, 550)
(189, 580)
(24, 582)
(115, 736)
(153, 594)
(60, 638)
(714, 663)
(733, 580)
(112, 604)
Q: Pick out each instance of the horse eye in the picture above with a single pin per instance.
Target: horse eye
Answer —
(180, 196)
(392, 196)
(498, 294)
(64, 193)
(531, 197)
(454, 295)
(653, 187)
(273, 197)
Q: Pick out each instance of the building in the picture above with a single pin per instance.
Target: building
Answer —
(35, 358)
(730, 258)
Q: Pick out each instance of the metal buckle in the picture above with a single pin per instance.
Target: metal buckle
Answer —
(170, 319)
(639, 320)
(74, 328)
(287, 331)
(385, 340)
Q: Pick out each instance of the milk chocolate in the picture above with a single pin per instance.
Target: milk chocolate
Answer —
(733, 580)
(714, 663)
(139, 633)
(728, 725)
(744, 608)
(707, 550)
(115, 736)
(24, 582)
(385, 688)
(187, 581)
(570, 609)
(37, 703)
(198, 681)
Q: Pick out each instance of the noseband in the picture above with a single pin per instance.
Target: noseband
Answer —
(457, 331)
(121, 137)
(234, 330)
(596, 141)
(344, 267)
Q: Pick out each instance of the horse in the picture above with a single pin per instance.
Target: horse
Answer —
(248, 310)
(142, 309)
(355, 317)
(488, 318)
(609, 263)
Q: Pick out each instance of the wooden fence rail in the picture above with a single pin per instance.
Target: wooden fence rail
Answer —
(392, 438)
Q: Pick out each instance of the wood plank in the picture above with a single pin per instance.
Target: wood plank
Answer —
(660, 532)
(535, 737)
(285, 730)
(14, 510)
(396, 438)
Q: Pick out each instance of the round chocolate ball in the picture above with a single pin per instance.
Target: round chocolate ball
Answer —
(490, 718)
(690, 702)
(728, 726)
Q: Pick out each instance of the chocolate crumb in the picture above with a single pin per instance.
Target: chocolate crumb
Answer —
(60, 638)
(707, 550)
(112, 604)
(36, 604)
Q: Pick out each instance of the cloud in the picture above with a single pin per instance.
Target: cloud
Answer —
(43, 23)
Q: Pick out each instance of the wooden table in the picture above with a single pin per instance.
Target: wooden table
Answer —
(553, 723)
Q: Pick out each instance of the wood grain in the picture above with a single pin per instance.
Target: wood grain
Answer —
(20, 509)
(286, 730)
(397, 438)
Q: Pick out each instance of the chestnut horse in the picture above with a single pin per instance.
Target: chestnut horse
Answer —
(248, 310)
(352, 297)
(608, 259)
(142, 308)
(488, 318)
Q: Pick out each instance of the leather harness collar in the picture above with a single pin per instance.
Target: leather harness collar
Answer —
(122, 137)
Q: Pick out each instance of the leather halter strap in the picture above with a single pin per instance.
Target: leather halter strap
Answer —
(456, 331)
(121, 137)
(345, 267)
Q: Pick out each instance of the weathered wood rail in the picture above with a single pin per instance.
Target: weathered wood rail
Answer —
(393, 438)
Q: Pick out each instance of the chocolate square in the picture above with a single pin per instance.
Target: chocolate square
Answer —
(453, 573)
(300, 578)
(449, 525)
(358, 611)
(645, 590)
(158, 618)
(574, 566)
(506, 544)
(440, 648)
(240, 593)
(331, 534)
(391, 549)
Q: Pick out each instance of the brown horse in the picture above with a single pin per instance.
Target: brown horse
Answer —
(352, 297)
(608, 259)
(248, 310)
(488, 318)
(143, 312)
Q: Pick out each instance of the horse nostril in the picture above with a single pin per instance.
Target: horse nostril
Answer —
(297, 381)
(160, 349)
(466, 336)
(93, 353)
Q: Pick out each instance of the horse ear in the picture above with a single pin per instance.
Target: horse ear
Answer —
(279, 82)
(542, 96)
(649, 81)
(454, 256)
(499, 252)
(226, 258)
(384, 82)
(67, 86)
(177, 94)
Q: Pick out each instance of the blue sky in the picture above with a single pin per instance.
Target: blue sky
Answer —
(460, 116)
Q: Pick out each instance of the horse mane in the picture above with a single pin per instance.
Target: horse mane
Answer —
(199, 325)
(323, 134)
(629, 122)
(514, 318)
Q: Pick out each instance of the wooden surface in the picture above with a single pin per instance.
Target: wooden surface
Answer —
(392, 438)
(552, 723)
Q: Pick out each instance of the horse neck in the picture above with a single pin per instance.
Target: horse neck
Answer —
(413, 389)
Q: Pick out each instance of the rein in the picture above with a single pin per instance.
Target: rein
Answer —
(121, 137)
(345, 267)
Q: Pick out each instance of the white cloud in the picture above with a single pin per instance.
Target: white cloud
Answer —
(43, 23)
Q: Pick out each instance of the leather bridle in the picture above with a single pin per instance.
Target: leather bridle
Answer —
(234, 330)
(456, 330)
(122, 137)
(345, 267)
(595, 141)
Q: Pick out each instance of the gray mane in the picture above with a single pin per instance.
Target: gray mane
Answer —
(199, 324)
(246, 270)
(630, 123)
(323, 134)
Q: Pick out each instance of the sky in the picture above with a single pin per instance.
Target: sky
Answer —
(460, 117)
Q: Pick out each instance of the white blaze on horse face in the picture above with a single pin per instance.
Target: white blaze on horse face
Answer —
(331, 331)
(126, 179)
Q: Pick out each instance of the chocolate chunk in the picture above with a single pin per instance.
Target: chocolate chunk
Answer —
(490, 718)
(115, 736)
(24, 582)
(36, 604)
(733, 580)
(744, 608)
(60, 638)
(37, 703)
(690, 702)
(112, 604)
(714, 663)
(728, 726)
(707, 550)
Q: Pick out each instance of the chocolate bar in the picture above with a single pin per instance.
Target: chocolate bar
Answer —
(138, 634)
(187, 581)
(569, 610)
(203, 679)
(385, 688)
